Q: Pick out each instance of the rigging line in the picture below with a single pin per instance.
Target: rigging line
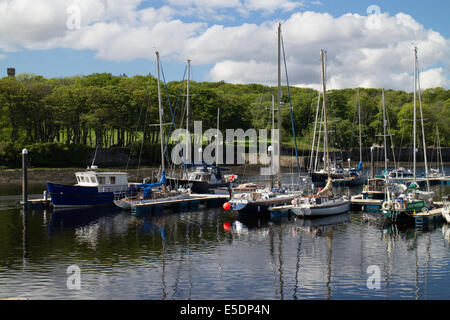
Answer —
(314, 133)
(143, 138)
(352, 134)
(173, 124)
(176, 106)
(290, 107)
(423, 128)
(95, 155)
(317, 160)
(170, 108)
(171, 111)
(137, 127)
(392, 140)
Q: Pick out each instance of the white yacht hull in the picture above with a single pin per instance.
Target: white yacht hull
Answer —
(328, 208)
(446, 213)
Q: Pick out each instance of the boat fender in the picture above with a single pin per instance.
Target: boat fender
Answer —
(226, 206)
(294, 202)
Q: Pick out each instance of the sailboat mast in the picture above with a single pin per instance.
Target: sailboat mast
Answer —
(217, 137)
(161, 131)
(187, 95)
(359, 121)
(325, 125)
(273, 112)
(440, 151)
(414, 113)
(423, 128)
(273, 128)
(279, 106)
(384, 132)
(314, 135)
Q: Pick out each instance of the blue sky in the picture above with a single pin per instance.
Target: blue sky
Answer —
(230, 40)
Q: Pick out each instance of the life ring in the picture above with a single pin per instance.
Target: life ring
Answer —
(397, 205)
(386, 205)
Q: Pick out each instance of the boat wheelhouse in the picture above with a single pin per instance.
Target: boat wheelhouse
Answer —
(93, 188)
(375, 189)
(105, 181)
(401, 173)
(205, 179)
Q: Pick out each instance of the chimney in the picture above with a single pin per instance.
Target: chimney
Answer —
(11, 72)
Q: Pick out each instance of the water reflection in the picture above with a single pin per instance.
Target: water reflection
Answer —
(318, 227)
(63, 219)
(210, 254)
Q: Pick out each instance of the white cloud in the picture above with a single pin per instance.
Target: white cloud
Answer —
(358, 54)
(207, 9)
(245, 71)
(272, 5)
(434, 77)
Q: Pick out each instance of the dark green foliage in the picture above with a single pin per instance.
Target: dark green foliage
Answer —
(46, 154)
(53, 116)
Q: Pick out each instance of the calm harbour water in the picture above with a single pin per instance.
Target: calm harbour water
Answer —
(210, 254)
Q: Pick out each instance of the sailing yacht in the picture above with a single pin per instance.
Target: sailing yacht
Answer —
(410, 199)
(439, 171)
(147, 193)
(202, 177)
(254, 199)
(340, 175)
(325, 202)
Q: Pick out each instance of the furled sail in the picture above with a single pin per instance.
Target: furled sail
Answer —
(327, 187)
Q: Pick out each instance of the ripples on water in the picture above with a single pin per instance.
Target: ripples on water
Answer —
(210, 254)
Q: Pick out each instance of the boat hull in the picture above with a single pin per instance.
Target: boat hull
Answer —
(446, 213)
(67, 196)
(322, 177)
(128, 204)
(203, 186)
(259, 207)
(328, 209)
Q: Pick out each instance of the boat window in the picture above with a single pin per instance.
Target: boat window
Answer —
(78, 179)
(82, 178)
(93, 180)
(101, 180)
(112, 180)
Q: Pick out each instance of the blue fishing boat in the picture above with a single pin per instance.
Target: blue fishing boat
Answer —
(93, 188)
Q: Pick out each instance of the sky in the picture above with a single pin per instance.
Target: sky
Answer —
(368, 43)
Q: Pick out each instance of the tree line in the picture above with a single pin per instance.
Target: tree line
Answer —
(105, 110)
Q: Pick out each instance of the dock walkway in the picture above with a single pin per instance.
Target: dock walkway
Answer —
(191, 203)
